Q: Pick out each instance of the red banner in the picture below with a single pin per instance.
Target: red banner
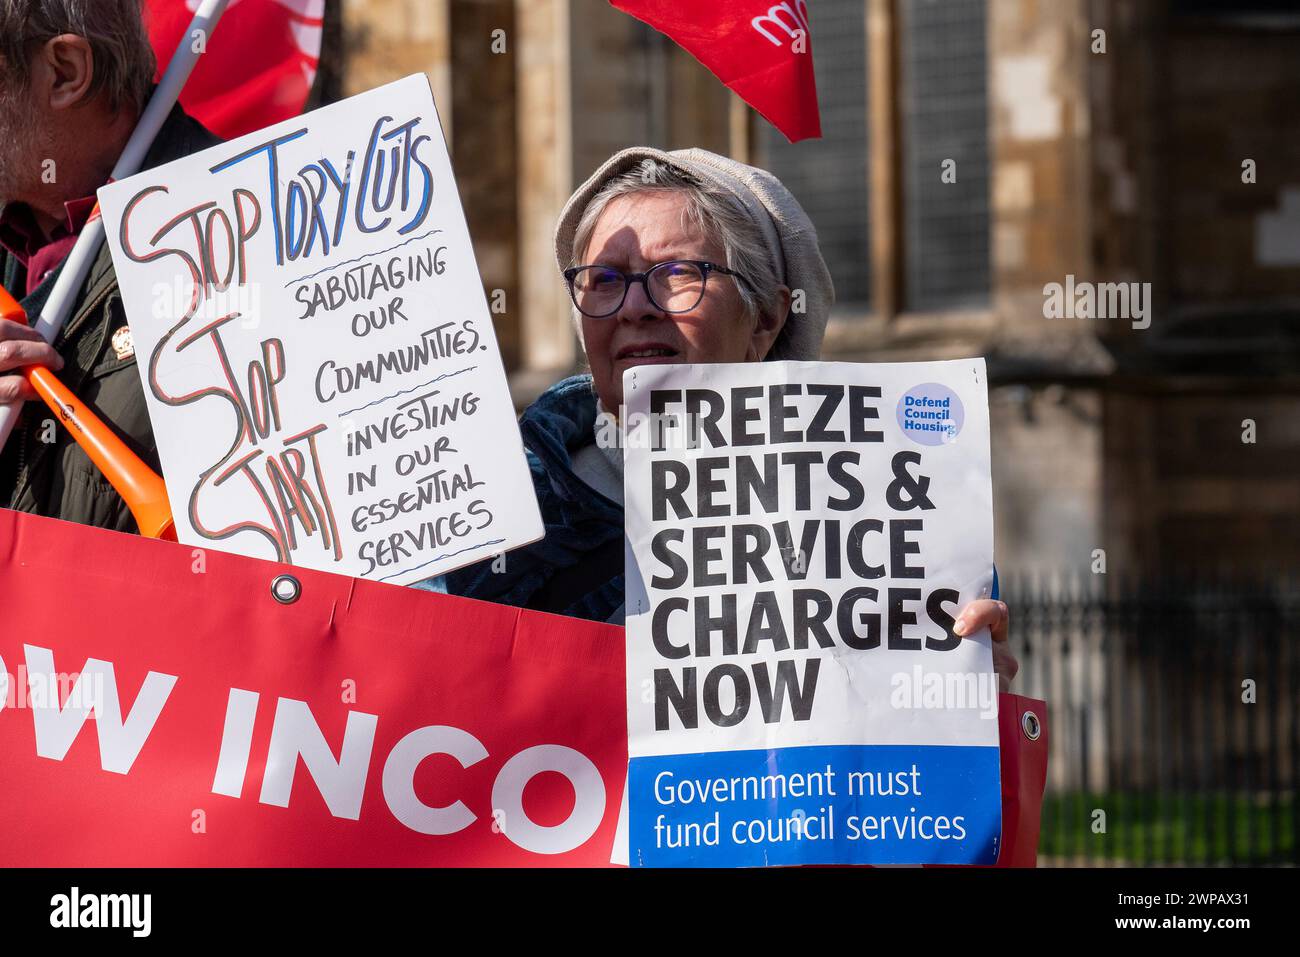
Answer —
(259, 67)
(162, 707)
(760, 49)
(201, 682)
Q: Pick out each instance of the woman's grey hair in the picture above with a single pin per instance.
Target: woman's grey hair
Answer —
(714, 211)
(123, 59)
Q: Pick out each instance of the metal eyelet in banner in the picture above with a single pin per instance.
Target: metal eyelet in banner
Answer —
(286, 589)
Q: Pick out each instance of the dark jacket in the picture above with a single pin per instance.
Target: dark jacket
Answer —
(56, 478)
(577, 568)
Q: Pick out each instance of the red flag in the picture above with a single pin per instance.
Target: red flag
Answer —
(760, 49)
(259, 67)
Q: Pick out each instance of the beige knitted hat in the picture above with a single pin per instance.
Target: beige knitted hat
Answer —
(791, 238)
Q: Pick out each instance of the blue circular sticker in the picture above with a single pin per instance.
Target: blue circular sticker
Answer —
(931, 414)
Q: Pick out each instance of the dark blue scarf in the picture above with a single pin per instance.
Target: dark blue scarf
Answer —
(577, 568)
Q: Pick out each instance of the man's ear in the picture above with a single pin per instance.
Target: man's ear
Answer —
(768, 327)
(65, 69)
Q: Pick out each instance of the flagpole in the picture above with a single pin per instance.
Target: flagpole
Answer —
(55, 312)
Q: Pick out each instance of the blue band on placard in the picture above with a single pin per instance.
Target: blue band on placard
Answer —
(854, 804)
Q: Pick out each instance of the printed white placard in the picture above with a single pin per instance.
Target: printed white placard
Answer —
(801, 538)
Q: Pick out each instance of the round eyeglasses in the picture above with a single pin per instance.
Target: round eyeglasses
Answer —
(674, 286)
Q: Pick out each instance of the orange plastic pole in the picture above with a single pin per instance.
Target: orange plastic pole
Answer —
(141, 487)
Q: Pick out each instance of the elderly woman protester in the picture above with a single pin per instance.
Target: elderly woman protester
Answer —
(681, 257)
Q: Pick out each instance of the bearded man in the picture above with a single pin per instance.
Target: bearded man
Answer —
(74, 78)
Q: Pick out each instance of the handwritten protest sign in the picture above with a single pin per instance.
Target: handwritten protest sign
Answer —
(801, 538)
(315, 346)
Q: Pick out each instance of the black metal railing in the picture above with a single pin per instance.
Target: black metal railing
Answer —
(1173, 717)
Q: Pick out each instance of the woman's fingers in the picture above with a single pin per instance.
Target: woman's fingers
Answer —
(983, 613)
(995, 616)
(1005, 666)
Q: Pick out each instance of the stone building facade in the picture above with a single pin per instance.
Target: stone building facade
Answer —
(977, 152)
